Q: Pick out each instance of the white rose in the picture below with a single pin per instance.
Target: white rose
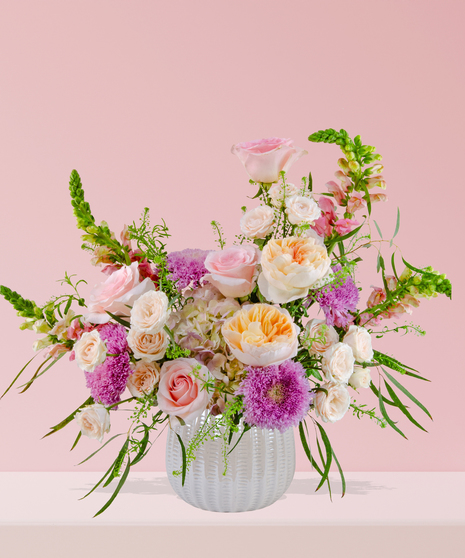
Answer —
(334, 404)
(359, 340)
(300, 209)
(90, 351)
(319, 240)
(319, 336)
(148, 346)
(94, 421)
(144, 378)
(278, 193)
(338, 363)
(150, 312)
(360, 378)
(290, 266)
(258, 222)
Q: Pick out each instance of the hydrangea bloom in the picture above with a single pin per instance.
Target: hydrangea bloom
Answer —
(276, 396)
(336, 300)
(108, 381)
(187, 267)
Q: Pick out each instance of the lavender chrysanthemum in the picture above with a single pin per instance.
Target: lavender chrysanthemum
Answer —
(276, 396)
(108, 381)
(337, 300)
(186, 267)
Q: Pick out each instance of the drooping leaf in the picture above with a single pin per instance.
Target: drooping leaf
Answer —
(306, 447)
(329, 455)
(68, 419)
(388, 419)
(118, 488)
(184, 461)
(143, 445)
(247, 427)
(393, 265)
(78, 437)
(407, 393)
(100, 448)
(397, 226)
(402, 407)
(119, 320)
(376, 392)
(379, 230)
(17, 376)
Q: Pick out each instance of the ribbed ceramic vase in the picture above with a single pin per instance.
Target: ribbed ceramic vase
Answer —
(259, 469)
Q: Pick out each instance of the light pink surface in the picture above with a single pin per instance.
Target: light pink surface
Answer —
(145, 100)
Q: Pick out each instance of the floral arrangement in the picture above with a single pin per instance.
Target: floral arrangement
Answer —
(269, 332)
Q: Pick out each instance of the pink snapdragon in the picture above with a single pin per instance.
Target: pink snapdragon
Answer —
(356, 202)
(75, 330)
(378, 197)
(338, 192)
(345, 226)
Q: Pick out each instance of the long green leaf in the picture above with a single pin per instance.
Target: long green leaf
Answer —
(393, 265)
(17, 376)
(100, 481)
(348, 235)
(68, 419)
(376, 392)
(310, 181)
(367, 198)
(402, 407)
(324, 467)
(100, 448)
(397, 225)
(343, 480)
(407, 393)
(329, 455)
(306, 447)
(119, 320)
(143, 445)
(379, 230)
(246, 428)
(28, 384)
(382, 408)
(117, 490)
(118, 462)
(78, 437)
(184, 461)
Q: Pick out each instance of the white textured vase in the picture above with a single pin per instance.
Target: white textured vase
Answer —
(259, 471)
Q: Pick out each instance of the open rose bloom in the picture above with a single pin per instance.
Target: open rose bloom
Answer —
(267, 332)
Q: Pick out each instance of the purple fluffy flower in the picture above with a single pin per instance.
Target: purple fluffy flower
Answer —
(186, 267)
(108, 381)
(276, 396)
(338, 299)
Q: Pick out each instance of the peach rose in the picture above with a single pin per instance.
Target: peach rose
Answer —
(319, 336)
(148, 346)
(233, 271)
(150, 312)
(334, 404)
(261, 335)
(359, 341)
(258, 222)
(300, 209)
(145, 376)
(264, 159)
(94, 421)
(361, 377)
(290, 266)
(181, 390)
(120, 290)
(90, 351)
(338, 363)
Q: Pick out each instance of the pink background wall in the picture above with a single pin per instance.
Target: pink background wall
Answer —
(145, 99)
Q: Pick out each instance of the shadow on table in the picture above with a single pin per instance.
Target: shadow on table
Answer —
(307, 487)
(304, 487)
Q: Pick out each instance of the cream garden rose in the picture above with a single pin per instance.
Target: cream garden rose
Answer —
(233, 271)
(302, 209)
(334, 404)
(338, 363)
(145, 376)
(90, 351)
(258, 222)
(150, 312)
(148, 346)
(290, 266)
(94, 421)
(361, 377)
(319, 336)
(280, 192)
(359, 339)
(181, 390)
(261, 335)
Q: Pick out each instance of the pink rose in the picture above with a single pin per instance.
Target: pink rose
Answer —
(181, 389)
(233, 271)
(345, 226)
(120, 290)
(264, 159)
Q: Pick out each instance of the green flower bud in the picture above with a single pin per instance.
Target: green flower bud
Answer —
(354, 166)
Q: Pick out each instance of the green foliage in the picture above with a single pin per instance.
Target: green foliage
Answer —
(25, 308)
(360, 411)
(218, 230)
